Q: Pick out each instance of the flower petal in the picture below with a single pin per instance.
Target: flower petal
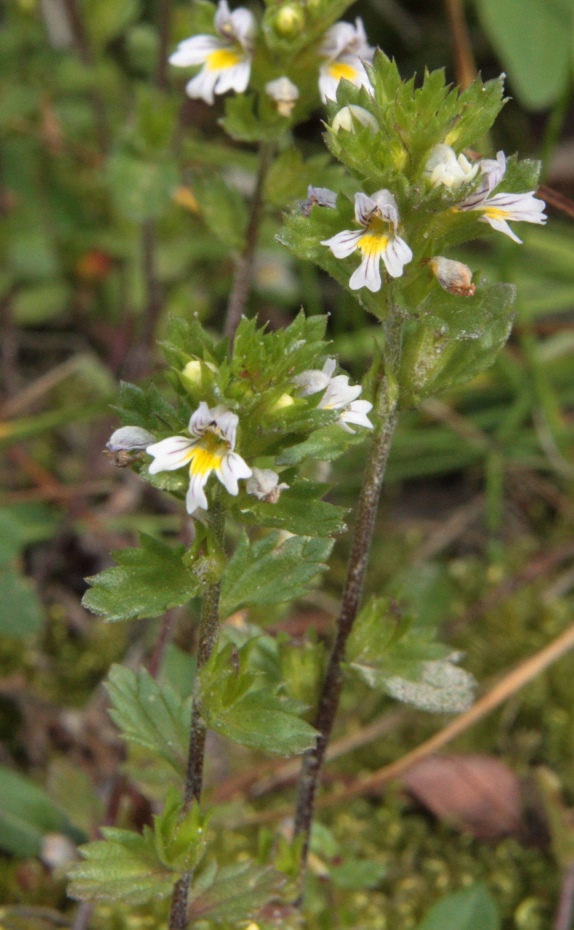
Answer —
(232, 468)
(234, 78)
(368, 274)
(195, 497)
(364, 206)
(194, 51)
(396, 256)
(344, 243)
(202, 86)
(170, 453)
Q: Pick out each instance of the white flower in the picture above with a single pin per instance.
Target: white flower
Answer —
(264, 485)
(285, 94)
(339, 395)
(443, 166)
(226, 58)
(345, 48)
(210, 449)
(379, 217)
(500, 208)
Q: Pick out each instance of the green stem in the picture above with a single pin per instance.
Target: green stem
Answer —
(208, 633)
(244, 265)
(387, 415)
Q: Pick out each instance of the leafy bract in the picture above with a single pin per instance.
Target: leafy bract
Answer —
(234, 892)
(271, 570)
(145, 583)
(298, 511)
(135, 868)
(459, 337)
(244, 707)
(150, 714)
(124, 866)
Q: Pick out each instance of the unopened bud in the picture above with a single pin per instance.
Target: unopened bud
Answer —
(284, 401)
(289, 22)
(130, 439)
(455, 277)
(194, 373)
(348, 117)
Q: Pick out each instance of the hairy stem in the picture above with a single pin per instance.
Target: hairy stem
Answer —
(244, 265)
(387, 415)
(208, 632)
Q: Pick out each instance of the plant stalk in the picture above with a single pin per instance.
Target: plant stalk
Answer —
(387, 416)
(244, 265)
(208, 632)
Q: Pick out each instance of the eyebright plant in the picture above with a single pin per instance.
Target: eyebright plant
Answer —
(237, 431)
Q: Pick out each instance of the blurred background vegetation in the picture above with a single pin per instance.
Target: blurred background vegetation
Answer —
(123, 202)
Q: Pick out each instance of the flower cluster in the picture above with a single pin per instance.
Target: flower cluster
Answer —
(377, 217)
(226, 59)
(339, 395)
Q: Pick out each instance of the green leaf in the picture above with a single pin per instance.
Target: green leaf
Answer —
(222, 208)
(297, 511)
(107, 19)
(26, 815)
(141, 188)
(471, 909)
(180, 838)
(392, 653)
(146, 407)
(233, 703)
(456, 339)
(124, 866)
(534, 40)
(271, 571)
(357, 874)
(324, 445)
(145, 583)
(150, 714)
(234, 892)
(22, 612)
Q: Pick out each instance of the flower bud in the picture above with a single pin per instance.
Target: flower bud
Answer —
(130, 439)
(289, 22)
(195, 373)
(348, 117)
(284, 401)
(285, 94)
(455, 277)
